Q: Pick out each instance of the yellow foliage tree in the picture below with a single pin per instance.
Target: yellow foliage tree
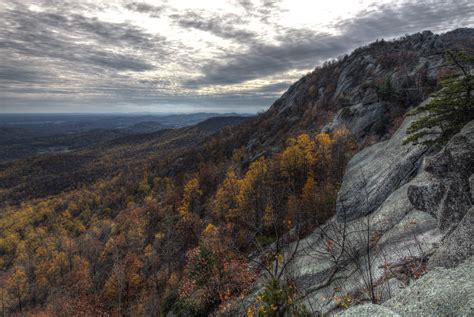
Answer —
(191, 198)
(124, 281)
(308, 199)
(226, 202)
(17, 285)
(323, 143)
(3, 296)
(254, 193)
(80, 278)
(298, 159)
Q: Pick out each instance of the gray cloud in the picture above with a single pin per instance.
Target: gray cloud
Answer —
(389, 20)
(223, 25)
(265, 10)
(297, 49)
(10, 74)
(56, 36)
(119, 62)
(303, 48)
(62, 54)
(143, 7)
(52, 58)
(274, 88)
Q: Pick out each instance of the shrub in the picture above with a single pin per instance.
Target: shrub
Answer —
(277, 299)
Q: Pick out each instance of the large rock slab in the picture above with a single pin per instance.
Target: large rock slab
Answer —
(361, 119)
(458, 246)
(460, 150)
(443, 189)
(440, 292)
(376, 172)
(368, 310)
(379, 189)
(403, 232)
(376, 189)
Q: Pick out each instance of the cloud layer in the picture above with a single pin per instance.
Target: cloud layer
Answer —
(176, 56)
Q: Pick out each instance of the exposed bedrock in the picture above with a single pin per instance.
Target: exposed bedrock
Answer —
(440, 292)
(376, 172)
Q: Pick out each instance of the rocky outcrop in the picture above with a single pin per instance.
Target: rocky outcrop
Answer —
(410, 205)
(440, 292)
(361, 119)
(401, 232)
(367, 91)
(457, 246)
(394, 188)
(443, 189)
(376, 172)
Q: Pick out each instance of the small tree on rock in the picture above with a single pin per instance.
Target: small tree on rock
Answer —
(451, 108)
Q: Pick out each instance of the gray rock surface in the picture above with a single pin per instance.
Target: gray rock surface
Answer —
(458, 246)
(361, 119)
(460, 150)
(443, 189)
(407, 227)
(402, 227)
(440, 292)
(376, 172)
(368, 310)
(439, 208)
(403, 232)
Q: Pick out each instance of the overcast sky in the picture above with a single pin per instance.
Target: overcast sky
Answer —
(187, 55)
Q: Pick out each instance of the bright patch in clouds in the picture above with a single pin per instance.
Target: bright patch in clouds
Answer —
(239, 55)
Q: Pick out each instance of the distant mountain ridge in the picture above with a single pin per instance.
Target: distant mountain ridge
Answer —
(92, 149)
(25, 135)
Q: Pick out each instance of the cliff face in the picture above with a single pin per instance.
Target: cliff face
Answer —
(402, 210)
(414, 210)
(382, 196)
(367, 91)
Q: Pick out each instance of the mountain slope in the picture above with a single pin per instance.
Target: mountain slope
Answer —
(51, 174)
(368, 90)
(184, 221)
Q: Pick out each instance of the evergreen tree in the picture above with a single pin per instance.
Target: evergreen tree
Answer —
(450, 109)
